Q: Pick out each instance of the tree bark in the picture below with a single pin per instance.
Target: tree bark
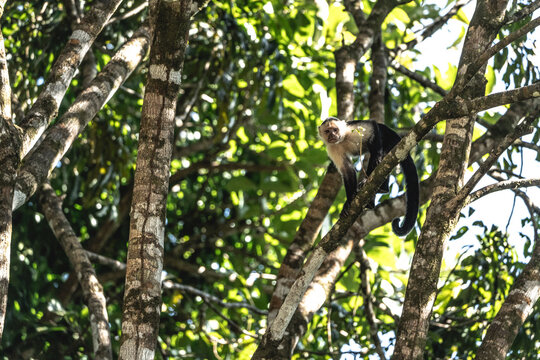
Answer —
(10, 147)
(57, 140)
(63, 70)
(377, 82)
(304, 239)
(91, 288)
(441, 218)
(517, 306)
(346, 59)
(170, 22)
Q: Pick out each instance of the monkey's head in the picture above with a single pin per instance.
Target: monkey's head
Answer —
(332, 130)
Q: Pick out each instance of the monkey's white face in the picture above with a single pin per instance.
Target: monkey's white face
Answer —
(331, 132)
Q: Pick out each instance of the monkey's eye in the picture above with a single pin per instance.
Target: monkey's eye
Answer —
(326, 131)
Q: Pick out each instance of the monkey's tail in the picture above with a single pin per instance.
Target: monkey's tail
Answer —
(413, 198)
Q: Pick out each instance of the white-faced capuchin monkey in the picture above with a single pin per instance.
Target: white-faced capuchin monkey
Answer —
(348, 139)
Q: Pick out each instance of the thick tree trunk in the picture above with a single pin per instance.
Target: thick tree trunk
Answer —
(10, 146)
(170, 21)
(442, 218)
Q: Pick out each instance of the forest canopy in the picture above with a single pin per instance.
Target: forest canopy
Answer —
(164, 192)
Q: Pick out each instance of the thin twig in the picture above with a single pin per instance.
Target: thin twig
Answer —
(129, 14)
(233, 324)
(422, 80)
(519, 131)
(167, 284)
(435, 25)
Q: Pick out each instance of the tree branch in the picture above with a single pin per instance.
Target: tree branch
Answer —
(354, 8)
(435, 25)
(142, 6)
(103, 260)
(521, 14)
(527, 145)
(368, 302)
(471, 69)
(520, 130)
(501, 98)
(92, 289)
(167, 284)
(58, 139)
(63, 70)
(503, 185)
(422, 80)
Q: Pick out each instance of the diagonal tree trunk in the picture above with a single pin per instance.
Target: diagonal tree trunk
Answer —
(16, 142)
(63, 70)
(91, 288)
(57, 139)
(346, 59)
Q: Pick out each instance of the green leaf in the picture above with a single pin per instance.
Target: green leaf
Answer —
(240, 183)
(461, 16)
(292, 85)
(384, 256)
(458, 39)
(490, 76)
(398, 14)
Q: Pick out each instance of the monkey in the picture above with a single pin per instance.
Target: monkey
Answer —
(344, 140)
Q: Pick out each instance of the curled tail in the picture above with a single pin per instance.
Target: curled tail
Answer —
(413, 198)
